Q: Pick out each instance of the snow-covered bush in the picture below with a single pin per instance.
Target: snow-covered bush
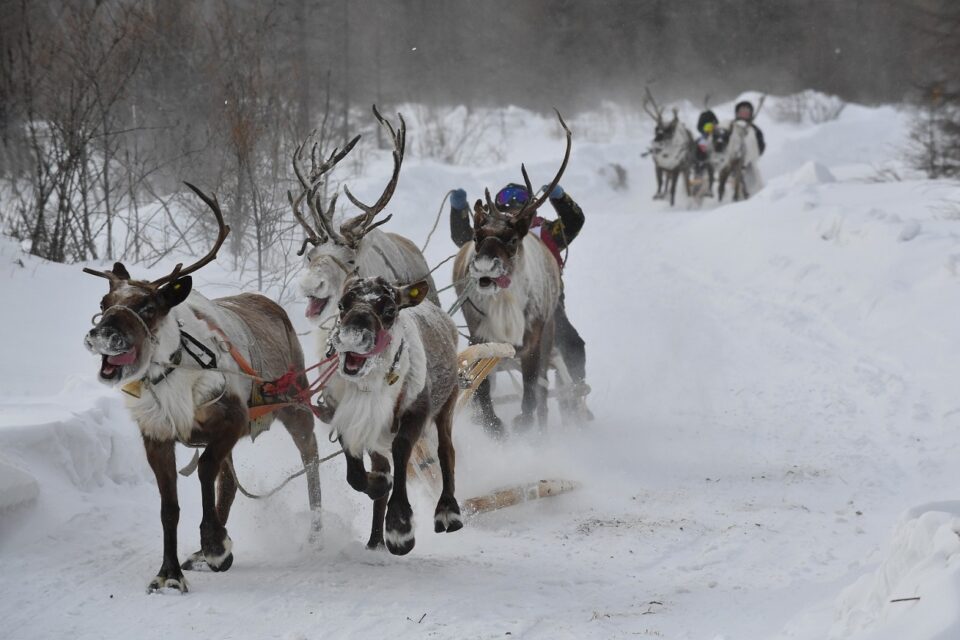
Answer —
(807, 106)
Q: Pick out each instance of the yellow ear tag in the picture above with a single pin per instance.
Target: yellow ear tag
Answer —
(132, 388)
(414, 293)
(176, 286)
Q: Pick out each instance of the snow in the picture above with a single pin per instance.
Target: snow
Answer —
(773, 383)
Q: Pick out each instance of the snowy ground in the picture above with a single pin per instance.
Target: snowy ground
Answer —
(774, 391)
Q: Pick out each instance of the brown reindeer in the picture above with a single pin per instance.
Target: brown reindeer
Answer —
(515, 283)
(357, 245)
(178, 354)
(397, 371)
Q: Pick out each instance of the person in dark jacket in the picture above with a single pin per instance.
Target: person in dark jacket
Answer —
(705, 125)
(744, 111)
(557, 236)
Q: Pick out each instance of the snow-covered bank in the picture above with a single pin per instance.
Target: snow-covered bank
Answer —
(773, 385)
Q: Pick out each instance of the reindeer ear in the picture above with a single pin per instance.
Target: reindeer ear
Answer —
(413, 294)
(120, 271)
(176, 292)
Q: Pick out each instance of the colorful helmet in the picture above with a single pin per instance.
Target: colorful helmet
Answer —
(707, 117)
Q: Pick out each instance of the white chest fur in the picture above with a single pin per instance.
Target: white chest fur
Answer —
(167, 410)
(366, 407)
(533, 290)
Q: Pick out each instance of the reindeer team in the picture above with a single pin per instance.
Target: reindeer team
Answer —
(726, 150)
(195, 371)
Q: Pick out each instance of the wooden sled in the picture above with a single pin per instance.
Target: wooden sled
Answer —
(476, 362)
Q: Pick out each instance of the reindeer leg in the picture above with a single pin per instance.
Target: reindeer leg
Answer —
(380, 466)
(226, 424)
(710, 175)
(724, 173)
(547, 339)
(163, 461)
(673, 180)
(399, 534)
(226, 492)
(299, 424)
(356, 471)
(447, 516)
(659, 173)
(530, 368)
(484, 412)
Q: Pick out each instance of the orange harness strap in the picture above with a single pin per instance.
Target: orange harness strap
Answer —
(234, 352)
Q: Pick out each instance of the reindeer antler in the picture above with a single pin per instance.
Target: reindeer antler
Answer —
(756, 111)
(224, 229)
(356, 228)
(532, 205)
(310, 183)
(657, 113)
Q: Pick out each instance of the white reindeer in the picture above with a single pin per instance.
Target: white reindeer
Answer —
(357, 246)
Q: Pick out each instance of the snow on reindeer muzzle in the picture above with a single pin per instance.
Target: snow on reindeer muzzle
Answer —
(368, 310)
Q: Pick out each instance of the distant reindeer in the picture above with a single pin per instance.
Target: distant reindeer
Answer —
(672, 150)
(517, 291)
(167, 345)
(358, 246)
(734, 156)
(397, 371)
(735, 152)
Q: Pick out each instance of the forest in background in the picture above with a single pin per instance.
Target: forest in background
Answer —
(106, 105)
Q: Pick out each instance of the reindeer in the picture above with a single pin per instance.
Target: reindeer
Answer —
(147, 335)
(736, 151)
(672, 150)
(397, 370)
(734, 155)
(357, 246)
(515, 289)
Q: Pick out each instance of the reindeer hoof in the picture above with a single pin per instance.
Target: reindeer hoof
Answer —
(218, 555)
(379, 484)
(399, 530)
(196, 562)
(523, 421)
(376, 544)
(447, 517)
(492, 426)
(167, 579)
(224, 565)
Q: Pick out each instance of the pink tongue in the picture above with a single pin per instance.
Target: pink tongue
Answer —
(503, 281)
(123, 358)
(315, 307)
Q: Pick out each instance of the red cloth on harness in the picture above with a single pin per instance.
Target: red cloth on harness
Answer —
(547, 239)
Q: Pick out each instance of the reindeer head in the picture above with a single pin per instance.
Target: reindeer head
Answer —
(500, 225)
(333, 257)
(368, 312)
(134, 328)
(663, 133)
(720, 138)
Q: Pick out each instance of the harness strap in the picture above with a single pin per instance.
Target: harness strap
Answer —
(547, 239)
(234, 352)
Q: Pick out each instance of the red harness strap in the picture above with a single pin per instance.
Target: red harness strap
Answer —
(282, 386)
(547, 239)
